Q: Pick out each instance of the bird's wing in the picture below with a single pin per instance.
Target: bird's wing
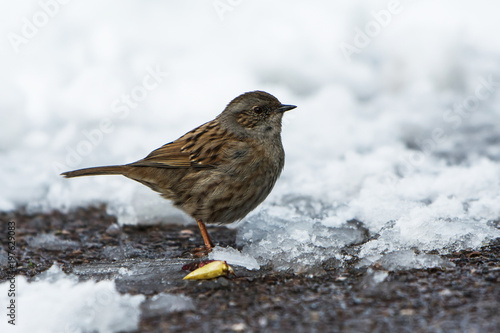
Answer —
(167, 156)
(199, 148)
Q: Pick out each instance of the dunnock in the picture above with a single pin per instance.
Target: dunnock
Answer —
(220, 171)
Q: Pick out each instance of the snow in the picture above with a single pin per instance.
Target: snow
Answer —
(392, 148)
(93, 306)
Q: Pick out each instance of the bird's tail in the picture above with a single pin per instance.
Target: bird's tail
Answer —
(97, 171)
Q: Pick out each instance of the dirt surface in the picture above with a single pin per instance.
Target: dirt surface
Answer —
(88, 243)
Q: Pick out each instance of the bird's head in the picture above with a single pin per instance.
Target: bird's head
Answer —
(256, 114)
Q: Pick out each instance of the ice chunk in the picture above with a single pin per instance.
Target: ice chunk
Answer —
(234, 257)
(56, 302)
(164, 303)
(407, 259)
(379, 276)
(113, 229)
(50, 242)
(296, 244)
(374, 277)
(115, 252)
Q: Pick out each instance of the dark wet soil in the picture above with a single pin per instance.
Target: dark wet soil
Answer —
(86, 242)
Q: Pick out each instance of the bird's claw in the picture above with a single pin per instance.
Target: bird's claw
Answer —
(199, 252)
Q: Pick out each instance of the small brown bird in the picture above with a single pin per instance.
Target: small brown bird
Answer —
(220, 171)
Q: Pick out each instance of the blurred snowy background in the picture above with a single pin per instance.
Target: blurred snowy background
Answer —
(397, 125)
(394, 146)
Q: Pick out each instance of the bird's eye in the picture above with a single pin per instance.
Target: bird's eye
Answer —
(257, 109)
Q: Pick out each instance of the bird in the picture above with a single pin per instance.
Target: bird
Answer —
(219, 171)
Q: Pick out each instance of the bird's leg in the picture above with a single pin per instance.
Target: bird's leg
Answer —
(209, 245)
(204, 233)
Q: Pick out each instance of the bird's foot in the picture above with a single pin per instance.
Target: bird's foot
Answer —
(201, 251)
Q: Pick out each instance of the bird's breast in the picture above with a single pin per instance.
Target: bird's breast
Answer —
(236, 187)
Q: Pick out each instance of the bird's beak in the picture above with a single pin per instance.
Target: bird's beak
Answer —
(284, 108)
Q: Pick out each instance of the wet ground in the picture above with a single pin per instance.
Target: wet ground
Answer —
(88, 243)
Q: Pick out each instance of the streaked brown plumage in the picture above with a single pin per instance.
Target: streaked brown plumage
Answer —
(221, 170)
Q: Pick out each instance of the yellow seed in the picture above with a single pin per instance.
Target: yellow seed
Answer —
(210, 271)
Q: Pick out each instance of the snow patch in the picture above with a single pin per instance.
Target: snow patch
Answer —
(56, 302)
